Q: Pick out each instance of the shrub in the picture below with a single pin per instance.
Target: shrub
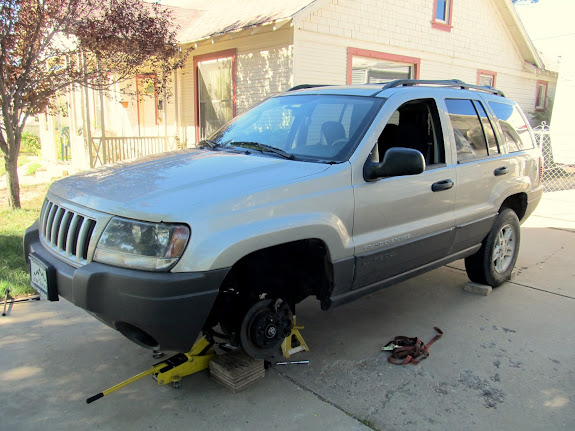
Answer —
(30, 144)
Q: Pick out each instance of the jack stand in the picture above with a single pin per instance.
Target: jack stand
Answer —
(173, 369)
(287, 344)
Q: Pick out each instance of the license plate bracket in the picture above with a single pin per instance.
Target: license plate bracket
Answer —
(43, 278)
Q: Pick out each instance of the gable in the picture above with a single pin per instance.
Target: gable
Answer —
(479, 33)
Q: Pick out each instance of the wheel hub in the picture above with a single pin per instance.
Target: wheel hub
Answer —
(504, 249)
(271, 331)
(264, 327)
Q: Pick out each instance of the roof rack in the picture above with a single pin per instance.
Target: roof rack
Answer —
(455, 83)
(303, 86)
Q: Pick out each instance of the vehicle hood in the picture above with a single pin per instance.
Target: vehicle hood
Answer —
(155, 187)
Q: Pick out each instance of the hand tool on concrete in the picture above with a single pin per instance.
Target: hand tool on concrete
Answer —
(13, 301)
(292, 363)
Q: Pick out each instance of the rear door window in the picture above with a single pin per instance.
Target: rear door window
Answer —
(514, 126)
(469, 136)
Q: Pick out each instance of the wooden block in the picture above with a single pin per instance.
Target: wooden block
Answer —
(236, 371)
(479, 289)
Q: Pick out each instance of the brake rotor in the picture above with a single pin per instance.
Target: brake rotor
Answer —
(264, 327)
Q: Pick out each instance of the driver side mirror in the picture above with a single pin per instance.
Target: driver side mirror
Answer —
(396, 162)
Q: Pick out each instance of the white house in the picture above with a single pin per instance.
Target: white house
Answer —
(246, 51)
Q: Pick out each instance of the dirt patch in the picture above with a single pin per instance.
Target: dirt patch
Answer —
(28, 194)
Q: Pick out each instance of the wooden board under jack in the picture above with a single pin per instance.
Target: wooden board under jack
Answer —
(236, 371)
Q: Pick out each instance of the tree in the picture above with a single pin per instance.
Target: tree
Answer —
(47, 46)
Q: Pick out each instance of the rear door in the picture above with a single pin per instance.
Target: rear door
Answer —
(402, 223)
(481, 170)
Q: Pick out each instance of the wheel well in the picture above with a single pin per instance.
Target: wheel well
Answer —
(517, 203)
(291, 271)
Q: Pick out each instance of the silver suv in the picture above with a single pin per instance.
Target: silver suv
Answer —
(332, 192)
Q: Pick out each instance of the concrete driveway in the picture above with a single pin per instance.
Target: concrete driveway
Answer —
(504, 363)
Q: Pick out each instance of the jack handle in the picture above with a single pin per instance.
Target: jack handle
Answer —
(120, 385)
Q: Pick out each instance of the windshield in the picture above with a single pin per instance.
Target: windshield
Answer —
(325, 128)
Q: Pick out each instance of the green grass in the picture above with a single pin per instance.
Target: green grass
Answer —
(32, 168)
(13, 267)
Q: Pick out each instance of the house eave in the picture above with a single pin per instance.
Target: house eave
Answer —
(240, 31)
(522, 39)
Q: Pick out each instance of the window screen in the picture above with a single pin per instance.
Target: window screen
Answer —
(468, 131)
(515, 130)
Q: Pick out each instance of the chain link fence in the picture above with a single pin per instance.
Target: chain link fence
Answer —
(556, 176)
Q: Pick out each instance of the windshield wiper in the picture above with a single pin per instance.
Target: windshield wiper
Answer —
(263, 147)
(209, 143)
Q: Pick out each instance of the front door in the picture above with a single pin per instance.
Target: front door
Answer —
(402, 223)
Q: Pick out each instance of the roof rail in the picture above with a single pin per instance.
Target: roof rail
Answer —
(303, 86)
(455, 83)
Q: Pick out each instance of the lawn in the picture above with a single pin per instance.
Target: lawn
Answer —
(13, 267)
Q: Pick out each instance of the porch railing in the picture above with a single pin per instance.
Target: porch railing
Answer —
(104, 151)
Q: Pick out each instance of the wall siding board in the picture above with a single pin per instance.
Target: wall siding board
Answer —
(264, 65)
(479, 39)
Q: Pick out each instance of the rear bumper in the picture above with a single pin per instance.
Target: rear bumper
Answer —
(155, 310)
(533, 199)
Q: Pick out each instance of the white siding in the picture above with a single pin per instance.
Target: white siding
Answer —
(262, 73)
(263, 68)
(479, 39)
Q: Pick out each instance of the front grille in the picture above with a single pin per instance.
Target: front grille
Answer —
(66, 232)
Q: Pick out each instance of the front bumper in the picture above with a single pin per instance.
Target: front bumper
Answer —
(155, 310)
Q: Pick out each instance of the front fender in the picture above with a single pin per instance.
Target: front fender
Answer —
(224, 248)
(238, 243)
(319, 207)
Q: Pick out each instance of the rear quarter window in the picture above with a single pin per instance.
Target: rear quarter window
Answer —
(516, 136)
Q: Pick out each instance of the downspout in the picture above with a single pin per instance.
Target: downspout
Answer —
(177, 103)
(86, 109)
(102, 125)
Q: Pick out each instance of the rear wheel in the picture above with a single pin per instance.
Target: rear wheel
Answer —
(496, 258)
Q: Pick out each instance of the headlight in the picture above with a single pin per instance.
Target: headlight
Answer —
(141, 245)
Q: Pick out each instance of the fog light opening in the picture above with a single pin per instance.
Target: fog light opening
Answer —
(138, 336)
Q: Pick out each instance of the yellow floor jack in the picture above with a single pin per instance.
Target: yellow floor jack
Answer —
(173, 369)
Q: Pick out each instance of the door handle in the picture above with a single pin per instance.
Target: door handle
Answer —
(501, 171)
(441, 185)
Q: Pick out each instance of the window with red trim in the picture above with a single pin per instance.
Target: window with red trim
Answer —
(486, 77)
(372, 67)
(541, 96)
(442, 13)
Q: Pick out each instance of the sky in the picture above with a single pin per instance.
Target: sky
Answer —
(549, 24)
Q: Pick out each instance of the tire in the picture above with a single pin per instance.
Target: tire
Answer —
(495, 260)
